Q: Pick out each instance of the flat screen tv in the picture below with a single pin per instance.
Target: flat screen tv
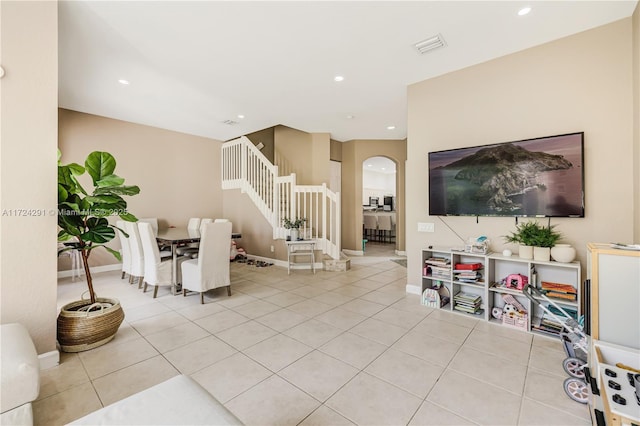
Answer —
(541, 177)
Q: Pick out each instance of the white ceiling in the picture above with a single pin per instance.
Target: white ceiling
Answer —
(193, 65)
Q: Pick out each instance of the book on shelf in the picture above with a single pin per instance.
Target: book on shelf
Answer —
(553, 294)
(467, 276)
(468, 296)
(438, 261)
(559, 291)
(468, 266)
(467, 302)
(573, 313)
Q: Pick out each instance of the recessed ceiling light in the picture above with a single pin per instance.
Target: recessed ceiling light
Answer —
(369, 165)
(350, 117)
(338, 78)
(240, 116)
(524, 11)
(384, 168)
(123, 81)
(391, 127)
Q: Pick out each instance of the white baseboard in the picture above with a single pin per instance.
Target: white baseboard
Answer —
(49, 359)
(353, 252)
(401, 253)
(103, 268)
(413, 289)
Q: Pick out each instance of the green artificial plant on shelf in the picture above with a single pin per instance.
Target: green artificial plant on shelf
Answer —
(534, 234)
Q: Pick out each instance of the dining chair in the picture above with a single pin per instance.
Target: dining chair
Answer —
(384, 227)
(125, 251)
(370, 226)
(192, 226)
(203, 223)
(153, 221)
(156, 272)
(165, 251)
(137, 255)
(211, 269)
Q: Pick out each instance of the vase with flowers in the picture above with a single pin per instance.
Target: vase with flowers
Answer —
(294, 227)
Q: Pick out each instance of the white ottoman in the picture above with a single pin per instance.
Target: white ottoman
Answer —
(20, 372)
(177, 401)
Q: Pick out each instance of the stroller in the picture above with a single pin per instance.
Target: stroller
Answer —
(575, 346)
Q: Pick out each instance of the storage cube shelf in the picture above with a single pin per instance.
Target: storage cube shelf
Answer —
(472, 275)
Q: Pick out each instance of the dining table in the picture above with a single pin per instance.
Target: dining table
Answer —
(177, 237)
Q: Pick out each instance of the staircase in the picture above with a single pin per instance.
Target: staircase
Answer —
(244, 167)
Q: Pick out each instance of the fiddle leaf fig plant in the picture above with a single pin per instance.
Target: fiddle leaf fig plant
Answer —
(82, 217)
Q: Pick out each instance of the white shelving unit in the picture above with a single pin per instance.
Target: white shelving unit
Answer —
(494, 268)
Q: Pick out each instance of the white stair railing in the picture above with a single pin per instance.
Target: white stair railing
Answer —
(244, 167)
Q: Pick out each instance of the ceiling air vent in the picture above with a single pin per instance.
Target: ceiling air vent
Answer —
(430, 44)
(230, 122)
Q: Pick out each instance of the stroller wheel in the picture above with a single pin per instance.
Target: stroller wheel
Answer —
(577, 390)
(573, 367)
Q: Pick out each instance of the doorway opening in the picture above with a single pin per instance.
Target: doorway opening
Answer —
(379, 207)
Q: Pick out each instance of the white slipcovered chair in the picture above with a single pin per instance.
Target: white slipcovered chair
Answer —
(156, 272)
(164, 251)
(211, 269)
(203, 223)
(153, 221)
(125, 252)
(137, 255)
(193, 226)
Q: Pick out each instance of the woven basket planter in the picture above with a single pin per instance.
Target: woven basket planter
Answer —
(80, 330)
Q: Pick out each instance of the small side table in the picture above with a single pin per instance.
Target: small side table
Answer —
(301, 248)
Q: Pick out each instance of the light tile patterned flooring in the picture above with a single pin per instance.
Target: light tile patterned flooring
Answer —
(324, 349)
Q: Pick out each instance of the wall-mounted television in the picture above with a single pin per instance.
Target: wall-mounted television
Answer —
(541, 177)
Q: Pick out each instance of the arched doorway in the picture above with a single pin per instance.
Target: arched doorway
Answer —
(379, 209)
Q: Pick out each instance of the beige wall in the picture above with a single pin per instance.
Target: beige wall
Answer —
(636, 120)
(353, 155)
(335, 150)
(28, 106)
(257, 233)
(267, 138)
(178, 174)
(580, 83)
(293, 153)
(320, 157)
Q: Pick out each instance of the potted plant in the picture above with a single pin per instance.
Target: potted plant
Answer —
(293, 226)
(532, 235)
(82, 219)
(545, 238)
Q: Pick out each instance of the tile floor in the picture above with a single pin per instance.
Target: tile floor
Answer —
(325, 349)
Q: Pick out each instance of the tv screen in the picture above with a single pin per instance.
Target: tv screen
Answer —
(541, 177)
